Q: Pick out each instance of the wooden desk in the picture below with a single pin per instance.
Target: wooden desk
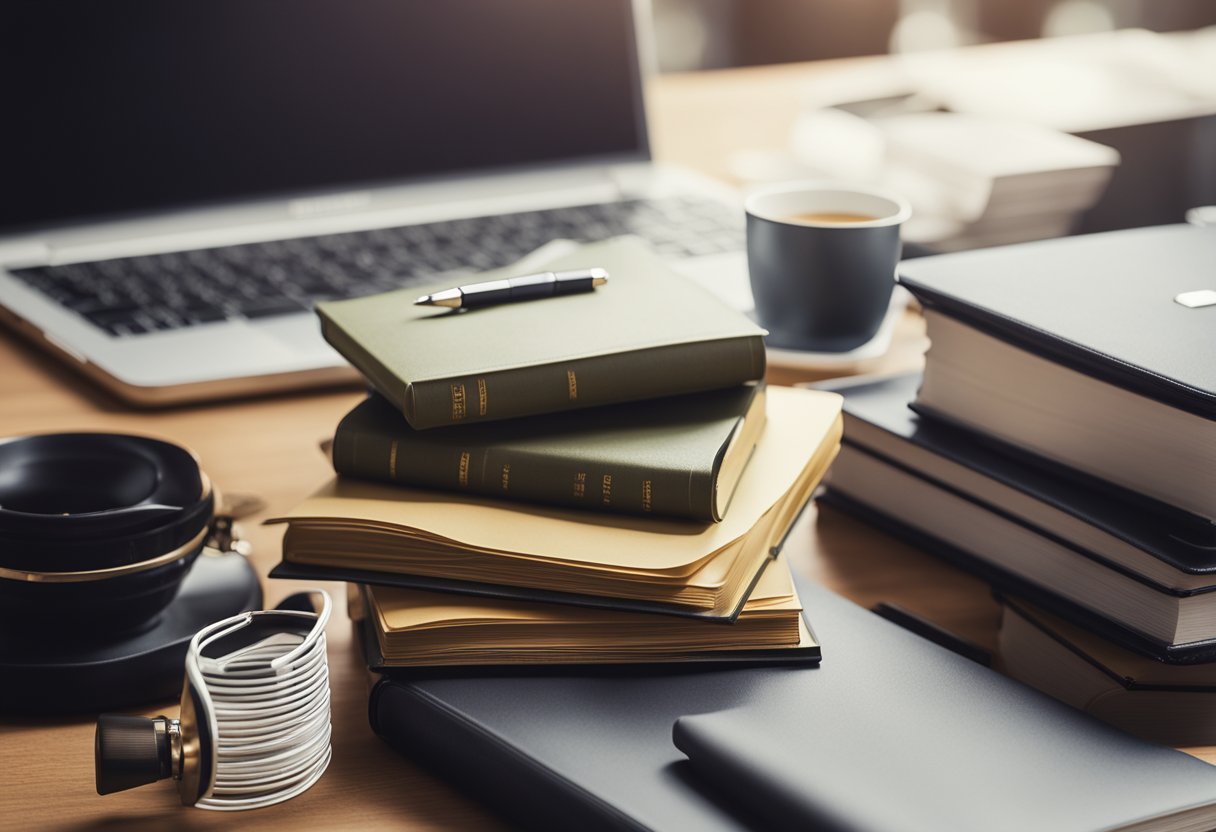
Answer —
(269, 448)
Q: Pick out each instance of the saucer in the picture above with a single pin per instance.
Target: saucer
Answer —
(876, 347)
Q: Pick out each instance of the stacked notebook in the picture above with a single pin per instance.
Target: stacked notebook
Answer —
(1062, 440)
(588, 479)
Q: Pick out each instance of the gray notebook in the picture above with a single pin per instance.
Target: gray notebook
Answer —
(898, 735)
(888, 719)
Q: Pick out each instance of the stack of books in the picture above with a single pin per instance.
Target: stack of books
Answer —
(592, 478)
(1062, 444)
(993, 181)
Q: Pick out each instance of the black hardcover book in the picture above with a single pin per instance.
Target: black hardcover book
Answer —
(1106, 305)
(1049, 598)
(1093, 354)
(1135, 572)
(1123, 528)
(593, 750)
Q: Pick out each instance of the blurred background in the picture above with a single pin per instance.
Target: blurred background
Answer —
(1002, 144)
(710, 34)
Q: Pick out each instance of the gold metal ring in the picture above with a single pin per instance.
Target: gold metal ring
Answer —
(111, 572)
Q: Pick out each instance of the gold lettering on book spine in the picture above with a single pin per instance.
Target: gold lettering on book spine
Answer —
(482, 398)
(392, 460)
(459, 404)
(646, 495)
(580, 484)
(506, 477)
(462, 471)
(606, 490)
(571, 384)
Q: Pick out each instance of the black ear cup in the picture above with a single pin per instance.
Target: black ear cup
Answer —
(97, 530)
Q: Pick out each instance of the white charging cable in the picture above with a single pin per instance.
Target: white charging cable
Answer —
(267, 704)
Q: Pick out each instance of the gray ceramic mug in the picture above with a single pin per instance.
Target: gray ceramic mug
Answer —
(822, 262)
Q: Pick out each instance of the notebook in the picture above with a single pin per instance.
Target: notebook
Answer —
(886, 712)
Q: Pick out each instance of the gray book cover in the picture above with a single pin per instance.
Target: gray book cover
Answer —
(888, 722)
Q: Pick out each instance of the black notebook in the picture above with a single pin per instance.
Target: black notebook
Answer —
(1094, 353)
(888, 712)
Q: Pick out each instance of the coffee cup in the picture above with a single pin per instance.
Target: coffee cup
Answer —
(821, 258)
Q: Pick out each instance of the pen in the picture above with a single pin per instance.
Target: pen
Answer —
(527, 287)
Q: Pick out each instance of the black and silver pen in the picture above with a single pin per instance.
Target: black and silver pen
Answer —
(527, 287)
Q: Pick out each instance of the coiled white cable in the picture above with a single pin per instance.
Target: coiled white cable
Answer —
(267, 703)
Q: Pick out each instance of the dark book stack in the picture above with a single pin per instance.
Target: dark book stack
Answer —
(584, 479)
(1061, 443)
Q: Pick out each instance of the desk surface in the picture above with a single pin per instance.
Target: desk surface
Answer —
(269, 448)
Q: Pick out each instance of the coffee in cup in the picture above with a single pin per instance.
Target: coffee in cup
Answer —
(821, 258)
(829, 218)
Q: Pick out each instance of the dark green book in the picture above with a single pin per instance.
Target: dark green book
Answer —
(674, 457)
(647, 334)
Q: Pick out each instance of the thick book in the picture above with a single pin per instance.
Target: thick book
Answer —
(646, 334)
(1174, 549)
(1072, 538)
(1174, 625)
(380, 534)
(416, 628)
(678, 457)
(1092, 353)
(1165, 703)
(887, 719)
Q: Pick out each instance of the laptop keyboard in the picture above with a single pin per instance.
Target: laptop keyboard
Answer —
(136, 295)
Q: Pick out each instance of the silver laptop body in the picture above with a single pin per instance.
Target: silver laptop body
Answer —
(193, 138)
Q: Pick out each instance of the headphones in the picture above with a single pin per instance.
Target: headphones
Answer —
(97, 530)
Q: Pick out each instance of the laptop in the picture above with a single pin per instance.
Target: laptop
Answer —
(183, 181)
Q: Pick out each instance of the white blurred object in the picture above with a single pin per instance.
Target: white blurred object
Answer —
(838, 144)
(972, 180)
(762, 166)
(1203, 215)
(1076, 84)
(1078, 17)
(988, 181)
(923, 29)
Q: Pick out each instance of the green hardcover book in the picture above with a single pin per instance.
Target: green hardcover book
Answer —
(647, 334)
(674, 457)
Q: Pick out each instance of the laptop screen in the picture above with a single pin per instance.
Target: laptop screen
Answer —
(126, 106)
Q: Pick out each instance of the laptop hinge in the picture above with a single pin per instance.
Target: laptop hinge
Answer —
(329, 204)
(15, 254)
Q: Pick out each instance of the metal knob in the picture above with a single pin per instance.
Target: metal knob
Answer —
(132, 751)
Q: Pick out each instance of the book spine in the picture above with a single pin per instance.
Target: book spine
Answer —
(526, 476)
(508, 781)
(671, 370)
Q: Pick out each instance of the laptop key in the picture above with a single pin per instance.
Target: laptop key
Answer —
(123, 295)
(203, 313)
(270, 307)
